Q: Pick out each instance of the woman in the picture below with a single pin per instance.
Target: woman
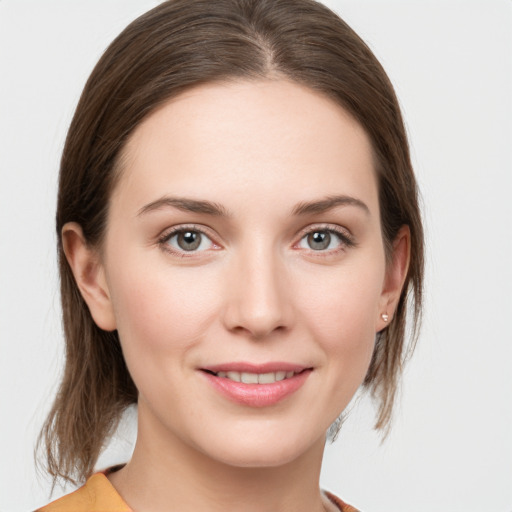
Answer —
(238, 234)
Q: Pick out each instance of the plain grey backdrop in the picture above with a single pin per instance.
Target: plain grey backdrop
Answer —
(451, 63)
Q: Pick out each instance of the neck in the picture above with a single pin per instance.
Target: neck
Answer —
(163, 470)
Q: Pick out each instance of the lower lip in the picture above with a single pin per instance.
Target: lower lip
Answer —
(257, 395)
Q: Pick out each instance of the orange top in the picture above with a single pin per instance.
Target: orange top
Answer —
(99, 495)
(96, 495)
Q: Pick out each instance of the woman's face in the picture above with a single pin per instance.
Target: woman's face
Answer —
(244, 243)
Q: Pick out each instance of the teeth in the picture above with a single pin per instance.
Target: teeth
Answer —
(256, 378)
(233, 376)
(266, 378)
(249, 378)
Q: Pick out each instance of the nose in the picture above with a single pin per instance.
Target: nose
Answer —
(258, 297)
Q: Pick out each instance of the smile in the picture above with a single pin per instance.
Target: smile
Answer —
(256, 386)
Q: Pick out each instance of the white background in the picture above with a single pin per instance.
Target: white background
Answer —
(451, 62)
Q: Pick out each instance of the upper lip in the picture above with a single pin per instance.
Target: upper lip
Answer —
(244, 367)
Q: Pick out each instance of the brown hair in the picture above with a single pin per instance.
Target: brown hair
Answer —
(173, 47)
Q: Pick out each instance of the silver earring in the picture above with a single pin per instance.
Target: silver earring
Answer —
(385, 317)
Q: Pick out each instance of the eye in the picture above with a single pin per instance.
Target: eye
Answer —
(186, 240)
(325, 240)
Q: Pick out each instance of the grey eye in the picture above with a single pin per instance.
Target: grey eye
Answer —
(189, 240)
(319, 240)
(323, 240)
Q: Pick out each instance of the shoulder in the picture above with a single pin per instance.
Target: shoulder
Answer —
(96, 495)
(343, 507)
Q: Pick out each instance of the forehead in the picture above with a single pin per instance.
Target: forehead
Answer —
(248, 141)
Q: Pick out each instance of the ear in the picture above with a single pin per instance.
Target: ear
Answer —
(89, 275)
(396, 272)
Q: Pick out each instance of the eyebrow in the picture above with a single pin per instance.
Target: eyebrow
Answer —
(215, 209)
(330, 202)
(186, 205)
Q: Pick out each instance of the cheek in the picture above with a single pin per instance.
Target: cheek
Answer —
(347, 301)
(339, 310)
(160, 310)
(341, 313)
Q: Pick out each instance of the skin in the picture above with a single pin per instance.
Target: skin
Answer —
(254, 291)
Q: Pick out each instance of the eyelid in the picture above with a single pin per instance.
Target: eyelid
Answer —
(168, 233)
(345, 236)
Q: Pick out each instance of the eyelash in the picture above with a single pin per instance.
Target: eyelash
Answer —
(164, 239)
(346, 240)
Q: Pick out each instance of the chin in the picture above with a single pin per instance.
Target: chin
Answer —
(265, 450)
(257, 460)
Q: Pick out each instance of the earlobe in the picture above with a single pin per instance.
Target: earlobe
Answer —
(396, 273)
(89, 275)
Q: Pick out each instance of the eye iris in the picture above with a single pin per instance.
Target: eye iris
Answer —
(319, 240)
(189, 240)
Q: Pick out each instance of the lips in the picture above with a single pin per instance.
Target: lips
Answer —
(256, 385)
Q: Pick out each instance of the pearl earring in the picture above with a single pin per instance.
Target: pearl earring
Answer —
(385, 317)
